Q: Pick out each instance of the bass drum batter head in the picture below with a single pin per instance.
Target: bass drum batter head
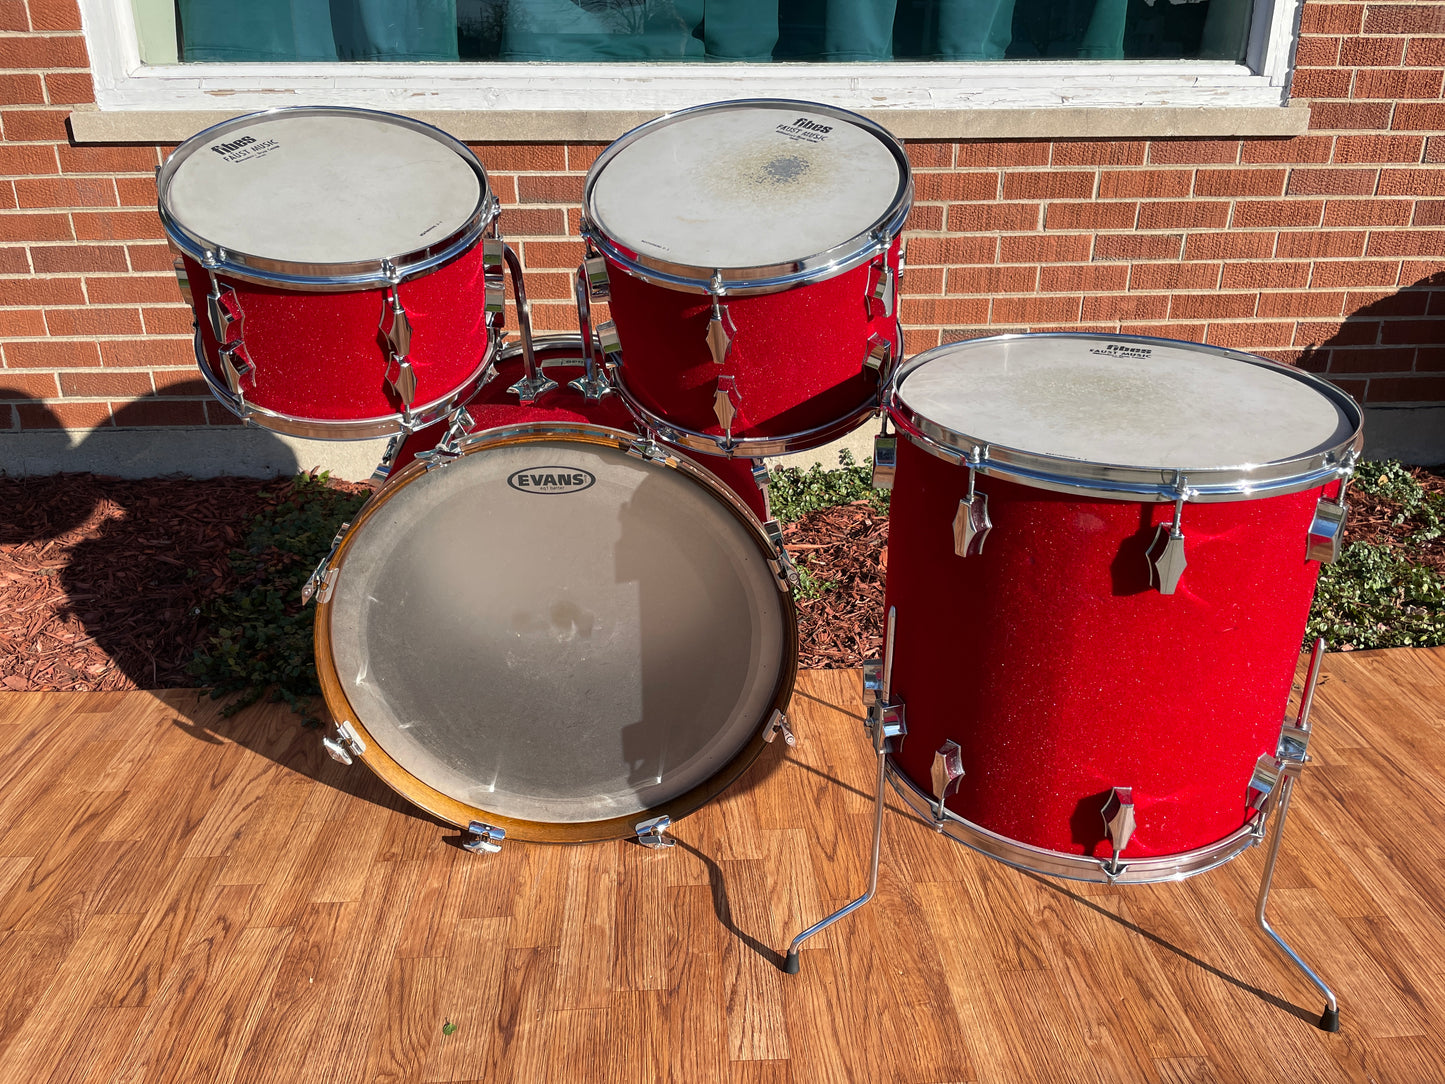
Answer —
(556, 636)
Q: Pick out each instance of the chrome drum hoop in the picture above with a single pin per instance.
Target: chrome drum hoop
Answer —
(345, 429)
(1077, 867)
(1118, 482)
(767, 279)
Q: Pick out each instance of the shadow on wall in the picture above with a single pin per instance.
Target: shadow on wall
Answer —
(1390, 355)
(135, 544)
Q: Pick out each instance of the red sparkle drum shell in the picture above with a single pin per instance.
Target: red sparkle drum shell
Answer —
(1049, 658)
(786, 216)
(560, 357)
(301, 233)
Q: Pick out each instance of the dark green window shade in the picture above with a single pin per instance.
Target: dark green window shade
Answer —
(755, 31)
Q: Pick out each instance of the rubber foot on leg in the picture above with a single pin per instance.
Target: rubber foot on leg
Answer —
(791, 966)
(1330, 1020)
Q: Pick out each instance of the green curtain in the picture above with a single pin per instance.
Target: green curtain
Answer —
(300, 30)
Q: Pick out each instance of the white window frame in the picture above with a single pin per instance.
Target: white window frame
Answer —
(123, 82)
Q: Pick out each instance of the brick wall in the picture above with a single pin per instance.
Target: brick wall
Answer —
(1327, 249)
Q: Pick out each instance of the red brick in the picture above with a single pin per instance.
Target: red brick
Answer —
(1424, 332)
(1320, 83)
(1378, 148)
(170, 320)
(1193, 152)
(925, 217)
(63, 415)
(93, 321)
(1174, 276)
(1406, 243)
(547, 316)
(41, 291)
(1239, 182)
(923, 281)
(34, 125)
(1332, 182)
(100, 158)
(580, 156)
(1406, 389)
(1266, 275)
(549, 189)
(1425, 53)
(13, 16)
(1145, 183)
(1003, 154)
(1313, 244)
(1331, 18)
(1349, 333)
(51, 354)
(1090, 216)
(1398, 83)
(1412, 182)
(991, 279)
(54, 15)
(1097, 153)
(1212, 306)
(1299, 149)
(1114, 308)
(177, 383)
(1368, 212)
(147, 353)
(7, 196)
(1185, 333)
(117, 225)
(1197, 215)
(20, 160)
(955, 187)
(1249, 335)
(1419, 116)
(934, 312)
(1086, 278)
(1380, 359)
(1405, 302)
(1036, 310)
(1137, 246)
(132, 288)
(61, 258)
(22, 323)
(1301, 304)
(1349, 116)
(950, 251)
(136, 191)
(43, 52)
(1253, 214)
(1317, 53)
(504, 187)
(916, 340)
(1405, 19)
(146, 258)
(57, 192)
(1435, 150)
(20, 89)
(144, 413)
(534, 222)
(1335, 273)
(1054, 248)
(1227, 245)
(1430, 360)
(1371, 52)
(993, 217)
(105, 385)
(522, 157)
(931, 155)
(15, 385)
(69, 88)
(1429, 212)
(1416, 271)
(15, 260)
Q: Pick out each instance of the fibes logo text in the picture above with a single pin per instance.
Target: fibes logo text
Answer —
(551, 480)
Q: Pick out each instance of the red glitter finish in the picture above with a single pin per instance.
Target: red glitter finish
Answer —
(797, 356)
(494, 406)
(1062, 674)
(321, 356)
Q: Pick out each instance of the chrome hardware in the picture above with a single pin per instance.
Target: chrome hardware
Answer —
(725, 402)
(395, 325)
(1327, 531)
(882, 290)
(534, 383)
(388, 460)
(224, 309)
(778, 724)
(494, 286)
(886, 717)
(644, 447)
(346, 745)
(720, 328)
(971, 523)
(593, 384)
(946, 772)
(323, 579)
(183, 280)
(880, 354)
(650, 833)
(1166, 552)
(783, 566)
(608, 339)
(483, 838)
(763, 479)
(1262, 781)
(236, 365)
(594, 272)
(885, 460)
(447, 449)
(402, 378)
(1118, 814)
(872, 681)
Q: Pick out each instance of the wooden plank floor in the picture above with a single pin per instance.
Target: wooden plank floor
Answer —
(190, 898)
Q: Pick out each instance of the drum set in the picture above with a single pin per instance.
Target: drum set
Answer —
(566, 612)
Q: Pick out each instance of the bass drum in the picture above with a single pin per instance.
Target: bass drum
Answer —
(555, 634)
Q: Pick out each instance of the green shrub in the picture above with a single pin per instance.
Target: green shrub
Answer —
(794, 493)
(1375, 596)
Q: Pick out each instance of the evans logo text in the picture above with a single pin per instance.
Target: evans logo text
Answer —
(1114, 350)
(234, 145)
(551, 480)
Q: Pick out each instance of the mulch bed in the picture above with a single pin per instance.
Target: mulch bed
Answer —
(101, 578)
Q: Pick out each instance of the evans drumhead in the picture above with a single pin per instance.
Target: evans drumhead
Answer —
(555, 634)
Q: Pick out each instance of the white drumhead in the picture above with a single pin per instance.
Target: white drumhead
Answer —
(558, 653)
(1127, 402)
(323, 188)
(749, 186)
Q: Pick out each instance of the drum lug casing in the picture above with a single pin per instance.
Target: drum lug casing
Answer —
(945, 774)
(594, 272)
(494, 290)
(892, 717)
(346, 746)
(883, 290)
(971, 523)
(1119, 824)
(1327, 531)
(482, 838)
(1167, 561)
(323, 579)
(879, 358)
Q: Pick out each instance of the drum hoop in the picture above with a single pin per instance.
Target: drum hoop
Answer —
(216, 256)
(765, 278)
(345, 428)
(453, 811)
(1062, 474)
(1076, 867)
